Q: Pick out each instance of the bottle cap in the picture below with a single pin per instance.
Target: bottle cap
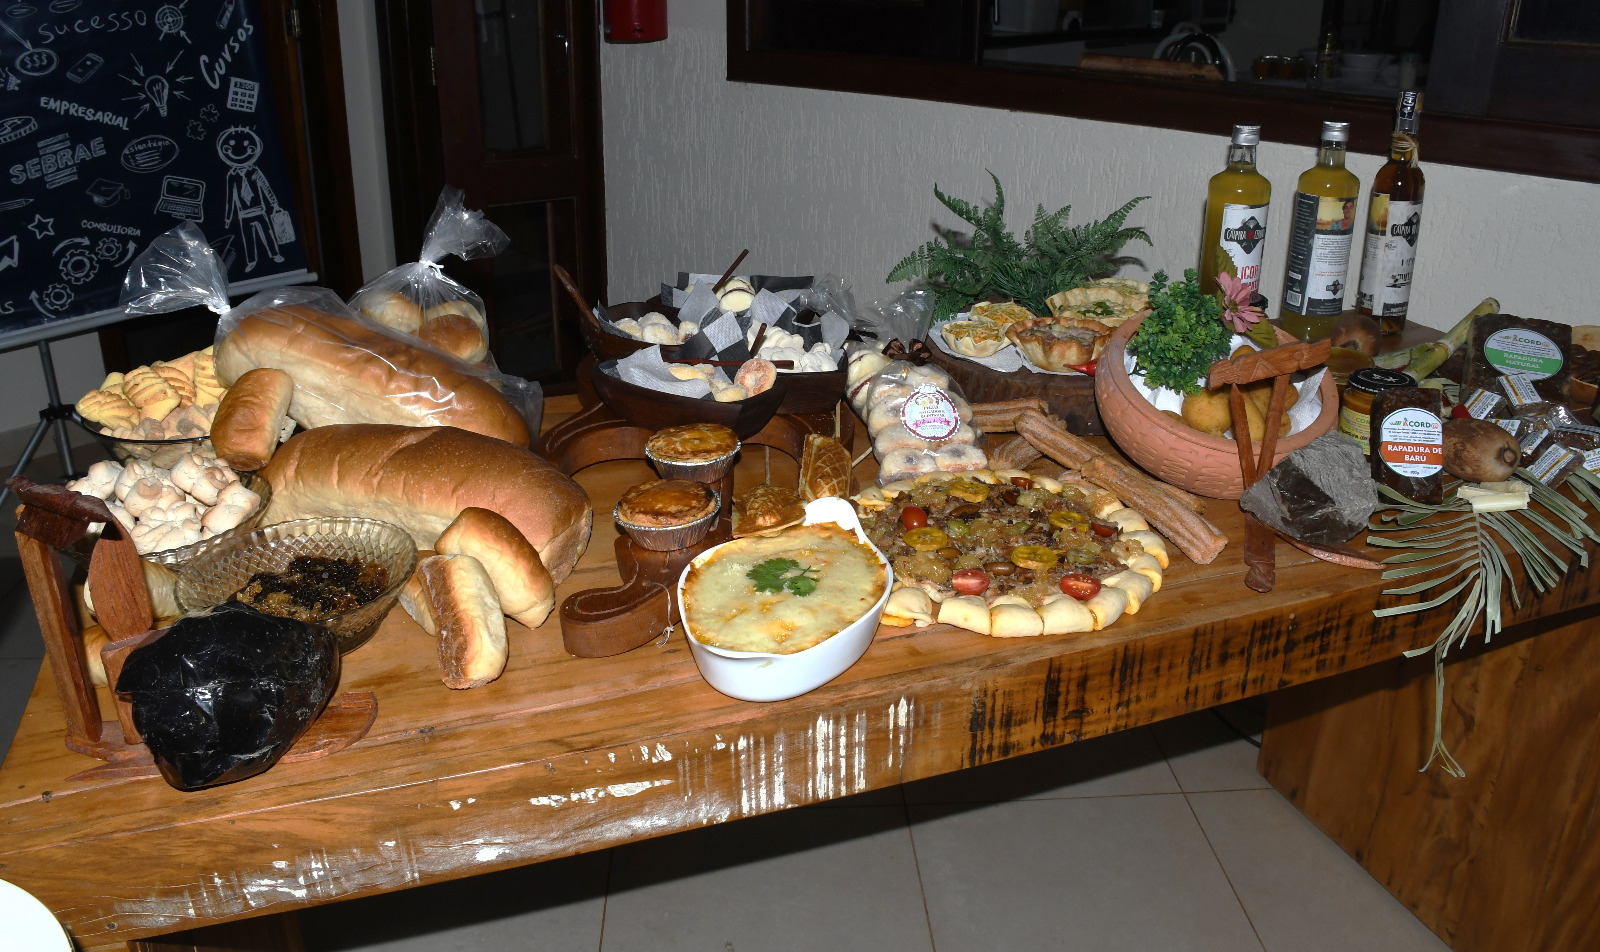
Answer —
(1246, 135)
(1336, 132)
(1378, 379)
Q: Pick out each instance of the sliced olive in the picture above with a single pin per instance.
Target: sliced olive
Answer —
(999, 568)
(1010, 496)
(966, 511)
(1022, 482)
(950, 552)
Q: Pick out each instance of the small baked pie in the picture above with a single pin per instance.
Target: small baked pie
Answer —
(666, 502)
(1107, 300)
(1059, 344)
(1003, 313)
(695, 443)
(976, 338)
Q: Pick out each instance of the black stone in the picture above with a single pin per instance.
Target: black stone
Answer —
(1322, 492)
(222, 695)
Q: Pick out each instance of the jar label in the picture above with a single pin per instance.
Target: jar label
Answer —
(1518, 351)
(1390, 256)
(930, 414)
(1244, 241)
(1411, 442)
(1357, 426)
(1591, 460)
(1319, 254)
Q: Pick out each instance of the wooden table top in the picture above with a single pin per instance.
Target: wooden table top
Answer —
(563, 755)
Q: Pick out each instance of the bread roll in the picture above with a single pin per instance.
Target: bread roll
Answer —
(414, 599)
(391, 309)
(456, 334)
(422, 478)
(347, 372)
(472, 632)
(250, 417)
(525, 589)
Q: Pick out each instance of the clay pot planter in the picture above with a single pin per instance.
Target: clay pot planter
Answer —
(1172, 452)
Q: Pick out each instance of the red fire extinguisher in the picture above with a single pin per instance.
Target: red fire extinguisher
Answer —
(635, 21)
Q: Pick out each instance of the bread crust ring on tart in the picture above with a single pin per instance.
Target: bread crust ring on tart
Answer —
(1059, 344)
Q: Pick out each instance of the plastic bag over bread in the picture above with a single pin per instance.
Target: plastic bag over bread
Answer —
(918, 418)
(418, 299)
(346, 368)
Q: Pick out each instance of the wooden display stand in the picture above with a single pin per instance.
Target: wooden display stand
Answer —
(1071, 396)
(54, 517)
(597, 623)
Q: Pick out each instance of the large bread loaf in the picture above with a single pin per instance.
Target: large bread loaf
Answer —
(420, 478)
(347, 372)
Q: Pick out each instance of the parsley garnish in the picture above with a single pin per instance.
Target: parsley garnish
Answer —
(774, 576)
(1184, 334)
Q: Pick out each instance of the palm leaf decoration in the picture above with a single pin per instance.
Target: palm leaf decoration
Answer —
(1052, 256)
(1457, 552)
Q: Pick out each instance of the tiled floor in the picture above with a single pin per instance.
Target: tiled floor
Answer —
(1161, 838)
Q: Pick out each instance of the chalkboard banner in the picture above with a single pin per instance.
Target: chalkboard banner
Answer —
(117, 121)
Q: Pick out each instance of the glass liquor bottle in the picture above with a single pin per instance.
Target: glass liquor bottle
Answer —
(1394, 224)
(1320, 236)
(1235, 235)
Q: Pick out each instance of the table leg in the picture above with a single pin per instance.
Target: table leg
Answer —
(275, 933)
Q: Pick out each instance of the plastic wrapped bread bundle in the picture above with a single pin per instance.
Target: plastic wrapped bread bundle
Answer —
(346, 368)
(919, 420)
(418, 299)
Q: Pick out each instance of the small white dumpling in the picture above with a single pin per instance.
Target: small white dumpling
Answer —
(654, 317)
(659, 333)
(627, 326)
(687, 330)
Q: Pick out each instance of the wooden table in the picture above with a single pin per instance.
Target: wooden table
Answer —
(564, 755)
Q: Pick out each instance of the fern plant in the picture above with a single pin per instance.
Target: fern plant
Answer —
(1052, 256)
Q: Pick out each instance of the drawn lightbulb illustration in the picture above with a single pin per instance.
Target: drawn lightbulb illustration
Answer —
(156, 88)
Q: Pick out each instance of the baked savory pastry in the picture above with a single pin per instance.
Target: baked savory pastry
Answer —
(975, 338)
(1059, 344)
(1107, 300)
(694, 443)
(782, 593)
(666, 502)
(1004, 313)
(1011, 555)
(824, 468)
(766, 508)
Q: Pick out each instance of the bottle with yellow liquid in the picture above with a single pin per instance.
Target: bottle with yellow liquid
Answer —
(1320, 236)
(1236, 215)
(1394, 223)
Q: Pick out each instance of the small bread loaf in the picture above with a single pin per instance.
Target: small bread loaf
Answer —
(250, 417)
(348, 372)
(472, 632)
(414, 599)
(391, 309)
(525, 589)
(456, 334)
(421, 478)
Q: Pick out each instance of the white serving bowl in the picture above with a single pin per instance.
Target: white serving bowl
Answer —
(764, 676)
(28, 923)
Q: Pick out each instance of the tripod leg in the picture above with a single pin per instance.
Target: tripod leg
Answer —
(27, 455)
(63, 445)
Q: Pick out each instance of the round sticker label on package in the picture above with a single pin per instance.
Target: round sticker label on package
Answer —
(1411, 442)
(929, 413)
(1517, 351)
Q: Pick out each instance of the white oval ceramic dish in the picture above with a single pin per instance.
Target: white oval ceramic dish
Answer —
(28, 924)
(763, 676)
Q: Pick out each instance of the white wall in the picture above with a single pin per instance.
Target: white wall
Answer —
(698, 167)
(78, 370)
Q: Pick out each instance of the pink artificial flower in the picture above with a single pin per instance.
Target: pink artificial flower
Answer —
(1237, 310)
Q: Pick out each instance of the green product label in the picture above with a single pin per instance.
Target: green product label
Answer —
(1517, 351)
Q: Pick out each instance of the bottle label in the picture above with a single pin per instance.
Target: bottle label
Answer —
(1357, 426)
(929, 413)
(1389, 256)
(1517, 351)
(1411, 442)
(1319, 254)
(1244, 241)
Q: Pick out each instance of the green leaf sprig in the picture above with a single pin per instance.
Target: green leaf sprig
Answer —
(990, 262)
(775, 575)
(1455, 542)
(1182, 337)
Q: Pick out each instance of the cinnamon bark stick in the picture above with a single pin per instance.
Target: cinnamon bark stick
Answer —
(1189, 531)
(1000, 416)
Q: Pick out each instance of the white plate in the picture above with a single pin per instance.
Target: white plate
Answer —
(763, 676)
(28, 924)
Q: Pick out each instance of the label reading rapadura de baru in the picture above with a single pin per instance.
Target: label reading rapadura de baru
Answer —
(929, 413)
(1518, 351)
(1411, 442)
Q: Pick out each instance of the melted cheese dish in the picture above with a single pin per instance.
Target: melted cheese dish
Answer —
(725, 609)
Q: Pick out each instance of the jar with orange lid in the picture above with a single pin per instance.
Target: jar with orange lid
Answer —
(1355, 410)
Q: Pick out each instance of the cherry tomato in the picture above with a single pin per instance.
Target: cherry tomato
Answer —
(1080, 586)
(913, 517)
(1460, 412)
(1103, 530)
(970, 581)
(1022, 482)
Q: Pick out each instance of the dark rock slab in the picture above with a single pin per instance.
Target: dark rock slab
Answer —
(1321, 493)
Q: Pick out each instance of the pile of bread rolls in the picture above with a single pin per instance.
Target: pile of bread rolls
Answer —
(167, 400)
(779, 344)
(454, 326)
(656, 328)
(878, 387)
(162, 509)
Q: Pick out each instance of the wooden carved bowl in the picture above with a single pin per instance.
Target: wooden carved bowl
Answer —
(813, 393)
(609, 346)
(1204, 465)
(655, 410)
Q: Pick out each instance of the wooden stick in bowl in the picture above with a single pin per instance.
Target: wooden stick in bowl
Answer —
(729, 273)
(779, 364)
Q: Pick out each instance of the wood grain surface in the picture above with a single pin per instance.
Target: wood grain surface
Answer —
(1506, 859)
(564, 755)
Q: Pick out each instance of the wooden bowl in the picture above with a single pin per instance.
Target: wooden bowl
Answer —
(1177, 454)
(609, 346)
(813, 393)
(655, 410)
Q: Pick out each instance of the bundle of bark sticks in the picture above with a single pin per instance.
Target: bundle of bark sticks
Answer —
(1174, 512)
